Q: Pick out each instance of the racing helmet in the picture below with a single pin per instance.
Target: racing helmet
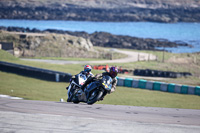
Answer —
(87, 68)
(113, 72)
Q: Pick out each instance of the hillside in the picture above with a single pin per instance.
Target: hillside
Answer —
(102, 10)
(104, 39)
(46, 44)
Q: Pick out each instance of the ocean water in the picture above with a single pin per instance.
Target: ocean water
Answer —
(185, 32)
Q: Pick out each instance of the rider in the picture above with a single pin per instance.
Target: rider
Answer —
(112, 73)
(87, 72)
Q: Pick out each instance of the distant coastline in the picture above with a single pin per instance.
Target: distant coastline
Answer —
(170, 11)
(104, 39)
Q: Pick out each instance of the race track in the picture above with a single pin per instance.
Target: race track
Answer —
(131, 57)
(28, 116)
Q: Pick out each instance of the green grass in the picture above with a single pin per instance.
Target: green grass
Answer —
(148, 98)
(30, 88)
(5, 56)
(193, 68)
(34, 89)
(67, 59)
(69, 68)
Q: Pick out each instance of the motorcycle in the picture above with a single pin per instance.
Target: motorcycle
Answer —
(75, 84)
(95, 91)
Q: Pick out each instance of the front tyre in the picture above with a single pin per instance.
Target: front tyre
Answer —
(75, 100)
(71, 94)
(95, 96)
(70, 98)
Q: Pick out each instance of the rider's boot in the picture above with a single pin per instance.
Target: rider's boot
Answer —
(101, 99)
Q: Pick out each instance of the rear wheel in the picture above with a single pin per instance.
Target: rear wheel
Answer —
(94, 96)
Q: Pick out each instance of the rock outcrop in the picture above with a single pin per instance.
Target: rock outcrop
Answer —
(47, 44)
(104, 39)
(103, 10)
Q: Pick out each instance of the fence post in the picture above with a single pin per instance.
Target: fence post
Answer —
(57, 77)
(138, 57)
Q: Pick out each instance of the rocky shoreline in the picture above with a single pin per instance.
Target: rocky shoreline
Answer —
(104, 39)
(169, 11)
(107, 10)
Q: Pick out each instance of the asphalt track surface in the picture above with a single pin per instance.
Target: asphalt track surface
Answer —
(28, 116)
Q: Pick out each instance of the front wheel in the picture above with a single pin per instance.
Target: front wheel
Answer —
(75, 99)
(71, 94)
(95, 96)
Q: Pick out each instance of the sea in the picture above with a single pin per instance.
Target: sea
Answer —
(181, 32)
